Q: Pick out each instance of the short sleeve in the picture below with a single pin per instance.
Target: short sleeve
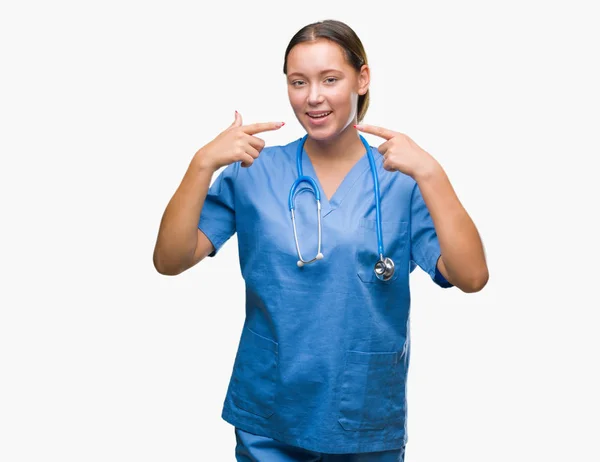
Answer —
(217, 219)
(425, 247)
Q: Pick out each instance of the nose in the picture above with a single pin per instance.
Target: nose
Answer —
(315, 96)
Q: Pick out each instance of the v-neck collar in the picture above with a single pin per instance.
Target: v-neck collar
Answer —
(357, 170)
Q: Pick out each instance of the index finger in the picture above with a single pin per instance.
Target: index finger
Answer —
(374, 130)
(253, 129)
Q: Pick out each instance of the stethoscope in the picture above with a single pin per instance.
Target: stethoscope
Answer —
(384, 268)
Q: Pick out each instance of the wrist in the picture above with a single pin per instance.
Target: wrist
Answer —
(202, 163)
(428, 170)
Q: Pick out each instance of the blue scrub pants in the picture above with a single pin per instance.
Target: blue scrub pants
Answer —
(254, 448)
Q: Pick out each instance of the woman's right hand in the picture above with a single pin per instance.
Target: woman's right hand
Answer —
(236, 143)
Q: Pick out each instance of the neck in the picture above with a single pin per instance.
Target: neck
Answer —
(347, 146)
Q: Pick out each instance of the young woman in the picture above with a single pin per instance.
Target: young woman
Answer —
(320, 372)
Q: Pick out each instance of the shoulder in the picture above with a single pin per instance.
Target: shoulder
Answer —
(280, 151)
(273, 158)
(273, 164)
(396, 182)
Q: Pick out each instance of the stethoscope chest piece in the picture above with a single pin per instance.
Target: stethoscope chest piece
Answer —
(384, 268)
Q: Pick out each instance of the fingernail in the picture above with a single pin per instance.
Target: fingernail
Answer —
(355, 126)
(282, 124)
(236, 112)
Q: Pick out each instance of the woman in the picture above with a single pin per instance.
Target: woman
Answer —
(320, 372)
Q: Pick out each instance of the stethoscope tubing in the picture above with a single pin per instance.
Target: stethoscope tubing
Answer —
(315, 190)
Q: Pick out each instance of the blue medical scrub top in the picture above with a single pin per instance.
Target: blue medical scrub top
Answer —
(324, 351)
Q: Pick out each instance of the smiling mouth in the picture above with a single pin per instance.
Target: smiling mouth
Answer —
(318, 115)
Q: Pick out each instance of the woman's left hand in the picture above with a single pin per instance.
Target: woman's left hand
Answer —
(400, 152)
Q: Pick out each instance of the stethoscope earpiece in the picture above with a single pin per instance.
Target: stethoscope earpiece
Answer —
(301, 263)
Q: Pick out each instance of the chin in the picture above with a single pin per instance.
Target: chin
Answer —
(326, 135)
(322, 133)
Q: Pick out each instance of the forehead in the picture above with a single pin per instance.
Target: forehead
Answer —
(309, 57)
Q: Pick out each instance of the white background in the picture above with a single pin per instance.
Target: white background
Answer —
(103, 105)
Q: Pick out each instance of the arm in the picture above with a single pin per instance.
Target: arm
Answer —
(462, 261)
(197, 221)
(180, 244)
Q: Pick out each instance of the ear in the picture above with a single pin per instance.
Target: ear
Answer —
(364, 78)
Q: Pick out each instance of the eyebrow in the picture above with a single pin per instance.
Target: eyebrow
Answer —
(326, 71)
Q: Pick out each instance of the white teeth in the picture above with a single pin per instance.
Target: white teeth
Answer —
(318, 116)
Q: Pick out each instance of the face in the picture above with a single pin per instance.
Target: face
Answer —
(323, 88)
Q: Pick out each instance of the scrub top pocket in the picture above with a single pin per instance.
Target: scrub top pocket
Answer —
(254, 375)
(395, 235)
(371, 390)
